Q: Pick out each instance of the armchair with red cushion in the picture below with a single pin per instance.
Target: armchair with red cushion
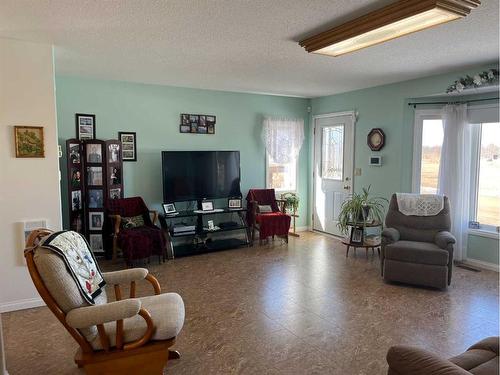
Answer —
(264, 214)
(133, 230)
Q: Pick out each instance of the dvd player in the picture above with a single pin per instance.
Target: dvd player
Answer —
(184, 228)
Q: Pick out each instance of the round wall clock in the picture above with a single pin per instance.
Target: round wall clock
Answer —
(376, 139)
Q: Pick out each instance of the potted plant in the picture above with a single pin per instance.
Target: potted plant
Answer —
(291, 201)
(359, 209)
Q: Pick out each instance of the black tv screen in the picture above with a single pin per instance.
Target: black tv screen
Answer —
(196, 175)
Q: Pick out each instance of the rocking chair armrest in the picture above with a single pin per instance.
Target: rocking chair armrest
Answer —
(125, 276)
(117, 220)
(131, 275)
(83, 317)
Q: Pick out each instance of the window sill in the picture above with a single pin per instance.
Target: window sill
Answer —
(484, 233)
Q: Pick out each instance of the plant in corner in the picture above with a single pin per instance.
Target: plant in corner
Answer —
(291, 201)
(360, 208)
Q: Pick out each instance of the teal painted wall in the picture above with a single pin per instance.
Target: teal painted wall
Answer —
(387, 107)
(484, 249)
(153, 112)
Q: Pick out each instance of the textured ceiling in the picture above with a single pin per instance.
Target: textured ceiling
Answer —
(239, 45)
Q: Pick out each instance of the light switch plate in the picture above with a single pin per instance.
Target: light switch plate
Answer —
(357, 171)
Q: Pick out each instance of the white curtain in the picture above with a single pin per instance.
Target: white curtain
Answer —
(454, 171)
(283, 138)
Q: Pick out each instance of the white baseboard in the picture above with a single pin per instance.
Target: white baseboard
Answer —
(483, 265)
(21, 304)
(302, 229)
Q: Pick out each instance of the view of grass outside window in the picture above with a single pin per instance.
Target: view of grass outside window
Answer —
(432, 141)
(281, 177)
(488, 186)
(488, 191)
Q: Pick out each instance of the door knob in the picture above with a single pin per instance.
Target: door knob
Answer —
(346, 187)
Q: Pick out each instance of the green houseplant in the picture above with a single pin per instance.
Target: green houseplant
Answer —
(360, 208)
(291, 201)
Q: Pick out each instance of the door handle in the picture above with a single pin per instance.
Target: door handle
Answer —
(346, 187)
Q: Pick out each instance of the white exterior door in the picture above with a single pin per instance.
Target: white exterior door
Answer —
(333, 168)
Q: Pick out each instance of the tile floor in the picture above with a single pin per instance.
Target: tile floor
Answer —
(297, 309)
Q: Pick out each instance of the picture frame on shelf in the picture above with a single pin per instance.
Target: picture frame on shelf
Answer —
(234, 203)
(113, 153)
(76, 200)
(129, 145)
(115, 176)
(94, 176)
(207, 206)
(94, 152)
(29, 142)
(95, 199)
(74, 153)
(169, 209)
(85, 126)
(96, 243)
(356, 235)
(76, 178)
(96, 220)
(115, 193)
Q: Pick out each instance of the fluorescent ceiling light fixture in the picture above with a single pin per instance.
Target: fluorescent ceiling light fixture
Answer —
(393, 21)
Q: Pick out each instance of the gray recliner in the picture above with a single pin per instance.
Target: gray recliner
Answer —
(417, 249)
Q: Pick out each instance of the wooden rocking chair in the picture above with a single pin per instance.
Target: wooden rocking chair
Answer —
(129, 336)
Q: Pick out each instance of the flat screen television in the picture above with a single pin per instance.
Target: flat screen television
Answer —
(197, 175)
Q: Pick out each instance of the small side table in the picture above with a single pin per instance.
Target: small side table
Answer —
(363, 245)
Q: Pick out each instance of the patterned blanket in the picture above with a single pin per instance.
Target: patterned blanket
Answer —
(420, 204)
(75, 251)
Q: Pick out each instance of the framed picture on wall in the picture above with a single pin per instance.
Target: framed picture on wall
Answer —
(96, 219)
(29, 141)
(129, 145)
(85, 126)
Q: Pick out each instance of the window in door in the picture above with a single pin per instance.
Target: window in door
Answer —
(332, 152)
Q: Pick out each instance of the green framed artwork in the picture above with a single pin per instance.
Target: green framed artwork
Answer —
(29, 141)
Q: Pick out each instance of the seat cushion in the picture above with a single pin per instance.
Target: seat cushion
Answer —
(273, 224)
(417, 252)
(167, 312)
(141, 242)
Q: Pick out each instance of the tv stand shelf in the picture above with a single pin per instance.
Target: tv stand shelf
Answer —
(202, 242)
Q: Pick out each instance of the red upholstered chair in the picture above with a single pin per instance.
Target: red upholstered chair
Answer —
(134, 230)
(269, 224)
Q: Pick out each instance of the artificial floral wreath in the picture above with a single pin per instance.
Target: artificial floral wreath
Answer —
(485, 78)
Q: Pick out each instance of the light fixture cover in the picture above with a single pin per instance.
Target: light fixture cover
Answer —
(395, 20)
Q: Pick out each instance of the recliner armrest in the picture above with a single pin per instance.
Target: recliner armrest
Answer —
(125, 276)
(408, 360)
(443, 239)
(390, 235)
(83, 317)
(489, 343)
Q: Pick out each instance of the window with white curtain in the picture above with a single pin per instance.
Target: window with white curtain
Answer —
(484, 207)
(283, 139)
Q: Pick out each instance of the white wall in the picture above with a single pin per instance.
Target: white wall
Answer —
(29, 188)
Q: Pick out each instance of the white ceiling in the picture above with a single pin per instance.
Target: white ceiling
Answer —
(239, 45)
